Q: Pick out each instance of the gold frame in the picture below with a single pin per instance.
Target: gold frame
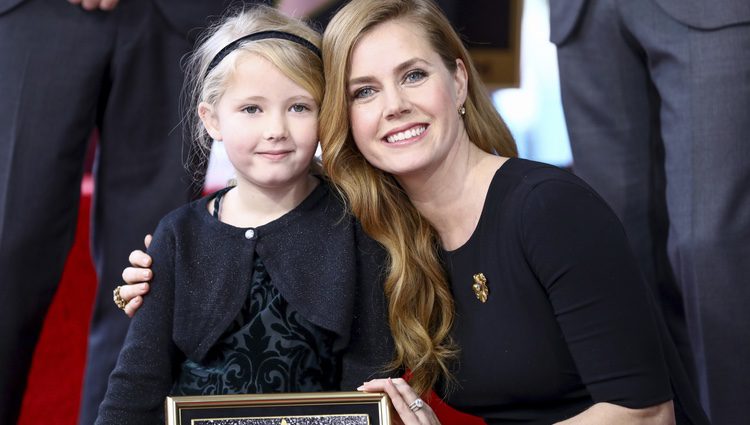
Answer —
(251, 406)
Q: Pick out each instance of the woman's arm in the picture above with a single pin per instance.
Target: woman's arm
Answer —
(581, 256)
(401, 394)
(612, 414)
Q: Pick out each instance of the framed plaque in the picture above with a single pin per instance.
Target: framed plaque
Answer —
(331, 408)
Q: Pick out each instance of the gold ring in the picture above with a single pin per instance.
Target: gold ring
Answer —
(119, 302)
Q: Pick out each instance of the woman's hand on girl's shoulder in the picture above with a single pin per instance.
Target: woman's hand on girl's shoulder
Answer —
(136, 278)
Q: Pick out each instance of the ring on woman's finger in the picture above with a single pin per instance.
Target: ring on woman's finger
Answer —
(416, 405)
(119, 302)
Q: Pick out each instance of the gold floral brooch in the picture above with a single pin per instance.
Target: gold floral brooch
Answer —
(480, 287)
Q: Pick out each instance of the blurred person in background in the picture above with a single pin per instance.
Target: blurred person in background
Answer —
(656, 95)
(70, 67)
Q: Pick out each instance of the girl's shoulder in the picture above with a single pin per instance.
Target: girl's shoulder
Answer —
(192, 214)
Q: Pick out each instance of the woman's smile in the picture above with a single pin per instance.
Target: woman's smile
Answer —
(411, 134)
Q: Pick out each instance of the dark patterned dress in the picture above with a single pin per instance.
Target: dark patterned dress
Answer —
(269, 347)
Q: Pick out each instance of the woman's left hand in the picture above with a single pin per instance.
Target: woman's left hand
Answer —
(411, 409)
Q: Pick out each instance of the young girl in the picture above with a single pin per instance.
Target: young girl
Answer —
(256, 287)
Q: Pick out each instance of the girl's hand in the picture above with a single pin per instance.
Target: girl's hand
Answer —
(404, 401)
(137, 278)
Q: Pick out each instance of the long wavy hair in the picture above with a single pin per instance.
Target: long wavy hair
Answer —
(295, 61)
(421, 309)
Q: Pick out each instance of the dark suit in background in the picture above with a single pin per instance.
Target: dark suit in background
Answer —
(656, 96)
(65, 71)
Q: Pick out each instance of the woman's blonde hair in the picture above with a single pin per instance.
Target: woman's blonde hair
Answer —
(421, 309)
(295, 61)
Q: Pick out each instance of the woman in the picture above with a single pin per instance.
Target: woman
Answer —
(545, 318)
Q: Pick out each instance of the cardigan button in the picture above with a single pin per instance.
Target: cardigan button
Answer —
(249, 234)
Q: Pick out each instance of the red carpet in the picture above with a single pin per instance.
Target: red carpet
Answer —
(52, 394)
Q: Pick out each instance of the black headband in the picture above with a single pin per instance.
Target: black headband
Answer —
(262, 35)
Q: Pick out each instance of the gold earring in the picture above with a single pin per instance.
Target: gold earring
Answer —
(462, 110)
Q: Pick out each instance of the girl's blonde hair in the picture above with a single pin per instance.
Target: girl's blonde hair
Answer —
(295, 61)
(421, 309)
